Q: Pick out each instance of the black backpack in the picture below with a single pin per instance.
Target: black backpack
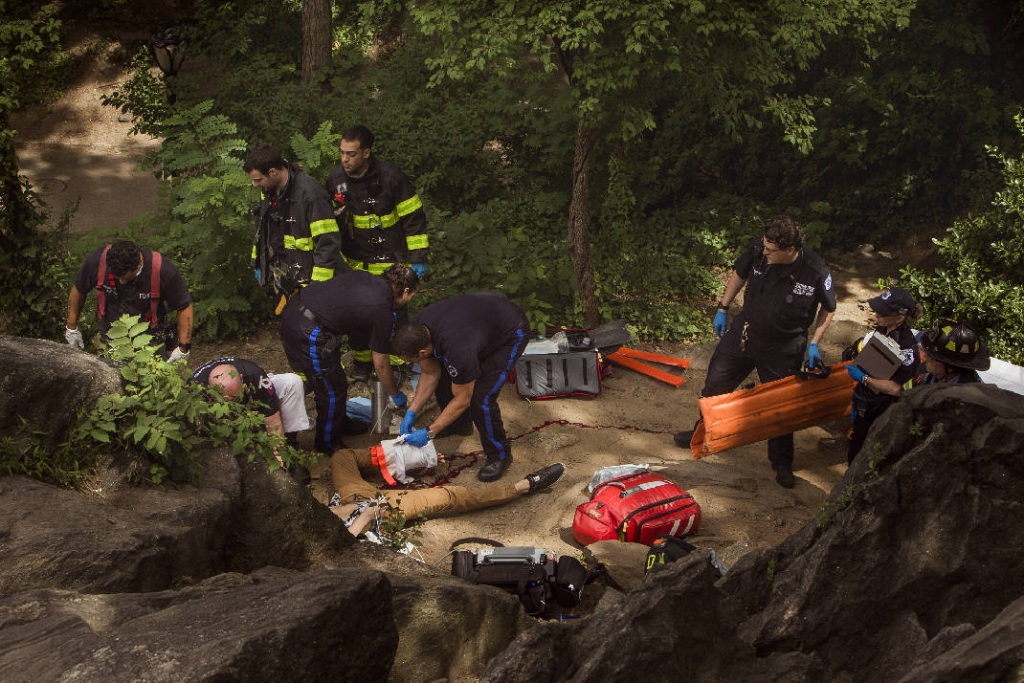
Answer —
(529, 573)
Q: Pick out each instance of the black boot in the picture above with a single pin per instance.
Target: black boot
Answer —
(494, 469)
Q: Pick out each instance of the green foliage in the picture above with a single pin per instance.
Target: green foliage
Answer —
(39, 269)
(206, 228)
(164, 418)
(27, 456)
(396, 531)
(507, 246)
(981, 279)
(827, 515)
(875, 459)
(773, 566)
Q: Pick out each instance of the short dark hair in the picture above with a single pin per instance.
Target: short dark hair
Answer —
(785, 232)
(409, 339)
(361, 133)
(262, 159)
(123, 258)
(401, 277)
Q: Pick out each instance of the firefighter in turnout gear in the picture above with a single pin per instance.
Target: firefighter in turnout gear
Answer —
(297, 239)
(380, 217)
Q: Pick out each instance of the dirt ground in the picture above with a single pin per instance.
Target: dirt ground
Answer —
(632, 421)
(80, 150)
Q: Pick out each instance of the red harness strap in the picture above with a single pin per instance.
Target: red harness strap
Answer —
(154, 287)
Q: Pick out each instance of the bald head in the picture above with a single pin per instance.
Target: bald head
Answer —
(227, 378)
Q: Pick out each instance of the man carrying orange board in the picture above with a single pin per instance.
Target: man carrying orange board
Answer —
(770, 410)
(788, 287)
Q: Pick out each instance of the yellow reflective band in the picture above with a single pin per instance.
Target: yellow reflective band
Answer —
(364, 355)
(298, 244)
(409, 205)
(323, 227)
(417, 242)
(320, 273)
(373, 221)
(373, 268)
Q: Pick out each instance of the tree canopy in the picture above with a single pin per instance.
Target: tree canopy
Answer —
(592, 159)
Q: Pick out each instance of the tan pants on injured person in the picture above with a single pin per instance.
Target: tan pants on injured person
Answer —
(352, 488)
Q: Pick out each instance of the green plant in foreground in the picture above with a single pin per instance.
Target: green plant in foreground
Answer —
(396, 531)
(773, 565)
(166, 419)
(829, 511)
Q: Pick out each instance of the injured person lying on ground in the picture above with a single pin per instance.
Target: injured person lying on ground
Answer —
(359, 505)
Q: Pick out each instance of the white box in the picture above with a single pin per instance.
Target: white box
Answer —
(879, 356)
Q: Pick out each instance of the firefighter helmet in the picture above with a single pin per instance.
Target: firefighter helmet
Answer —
(956, 344)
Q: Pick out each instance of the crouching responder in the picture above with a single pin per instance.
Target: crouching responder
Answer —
(466, 347)
(130, 280)
(363, 307)
(280, 398)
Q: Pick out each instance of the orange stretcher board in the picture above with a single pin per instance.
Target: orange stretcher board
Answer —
(682, 363)
(617, 358)
(769, 410)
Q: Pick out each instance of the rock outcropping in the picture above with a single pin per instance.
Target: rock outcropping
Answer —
(912, 571)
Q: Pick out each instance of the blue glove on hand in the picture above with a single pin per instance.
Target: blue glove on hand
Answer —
(420, 269)
(721, 323)
(259, 274)
(855, 373)
(407, 422)
(813, 356)
(418, 438)
(399, 400)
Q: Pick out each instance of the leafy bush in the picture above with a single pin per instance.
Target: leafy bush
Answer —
(981, 280)
(164, 418)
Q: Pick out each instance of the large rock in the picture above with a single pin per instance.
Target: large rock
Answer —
(916, 556)
(46, 384)
(273, 625)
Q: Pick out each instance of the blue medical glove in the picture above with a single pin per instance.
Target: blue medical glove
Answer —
(420, 269)
(407, 422)
(259, 274)
(814, 356)
(855, 373)
(418, 438)
(399, 400)
(721, 323)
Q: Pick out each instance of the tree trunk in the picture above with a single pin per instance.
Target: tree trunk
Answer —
(579, 224)
(316, 38)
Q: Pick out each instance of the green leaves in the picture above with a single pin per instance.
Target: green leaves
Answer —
(166, 420)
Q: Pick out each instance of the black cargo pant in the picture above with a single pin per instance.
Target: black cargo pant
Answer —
(734, 359)
(483, 407)
(315, 353)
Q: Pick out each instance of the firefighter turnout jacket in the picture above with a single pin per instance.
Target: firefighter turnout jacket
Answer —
(297, 238)
(380, 216)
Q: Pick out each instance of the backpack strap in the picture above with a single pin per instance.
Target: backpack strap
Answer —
(101, 293)
(154, 288)
(477, 540)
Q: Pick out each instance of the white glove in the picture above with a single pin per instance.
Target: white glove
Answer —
(177, 354)
(74, 338)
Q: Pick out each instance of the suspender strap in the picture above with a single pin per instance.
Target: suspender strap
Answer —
(101, 293)
(154, 288)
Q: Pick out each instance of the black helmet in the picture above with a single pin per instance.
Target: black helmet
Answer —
(955, 344)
